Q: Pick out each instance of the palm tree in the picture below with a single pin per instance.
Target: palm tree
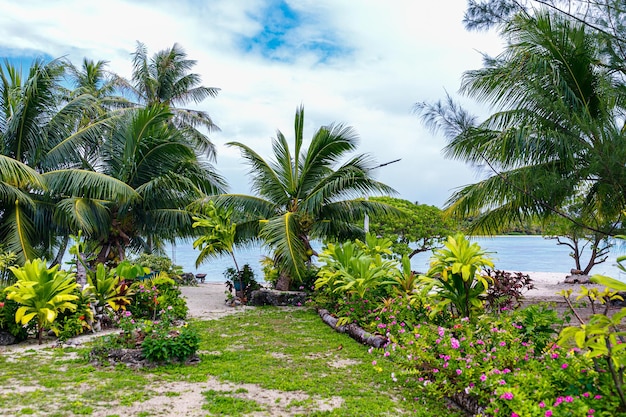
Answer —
(558, 134)
(35, 114)
(157, 174)
(165, 79)
(304, 195)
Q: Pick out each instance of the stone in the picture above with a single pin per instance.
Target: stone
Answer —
(6, 338)
(577, 279)
(264, 297)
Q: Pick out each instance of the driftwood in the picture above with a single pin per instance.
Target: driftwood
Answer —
(353, 330)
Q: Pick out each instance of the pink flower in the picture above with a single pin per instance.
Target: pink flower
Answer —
(454, 343)
(373, 363)
(503, 343)
(514, 414)
(459, 372)
(483, 377)
(507, 396)
(564, 366)
(548, 413)
(542, 404)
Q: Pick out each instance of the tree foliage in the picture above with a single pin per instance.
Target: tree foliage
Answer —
(556, 133)
(77, 156)
(305, 193)
(415, 228)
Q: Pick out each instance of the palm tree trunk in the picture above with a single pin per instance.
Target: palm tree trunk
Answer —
(284, 282)
(81, 270)
(59, 257)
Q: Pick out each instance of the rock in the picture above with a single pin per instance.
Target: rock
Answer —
(6, 338)
(576, 271)
(577, 279)
(189, 279)
(233, 302)
(264, 297)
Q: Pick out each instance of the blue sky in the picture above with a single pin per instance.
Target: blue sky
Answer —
(362, 63)
(286, 30)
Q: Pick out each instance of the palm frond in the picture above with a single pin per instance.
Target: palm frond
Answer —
(89, 184)
(282, 234)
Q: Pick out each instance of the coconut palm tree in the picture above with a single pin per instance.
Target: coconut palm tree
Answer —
(165, 79)
(161, 174)
(35, 114)
(558, 133)
(304, 194)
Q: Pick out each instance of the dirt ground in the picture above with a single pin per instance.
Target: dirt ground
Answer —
(206, 301)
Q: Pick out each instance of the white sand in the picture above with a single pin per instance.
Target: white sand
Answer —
(549, 284)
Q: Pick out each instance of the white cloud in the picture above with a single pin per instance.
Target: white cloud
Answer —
(393, 54)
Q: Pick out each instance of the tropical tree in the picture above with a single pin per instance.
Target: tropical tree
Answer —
(583, 242)
(602, 18)
(157, 174)
(164, 79)
(415, 228)
(557, 135)
(304, 194)
(36, 114)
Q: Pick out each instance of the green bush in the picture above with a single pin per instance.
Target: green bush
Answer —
(165, 345)
(488, 361)
(158, 263)
(153, 296)
(8, 308)
(160, 340)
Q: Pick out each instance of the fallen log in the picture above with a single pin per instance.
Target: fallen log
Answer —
(353, 330)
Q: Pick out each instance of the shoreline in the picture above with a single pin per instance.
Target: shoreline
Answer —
(549, 284)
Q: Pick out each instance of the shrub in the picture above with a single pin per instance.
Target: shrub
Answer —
(159, 340)
(157, 263)
(487, 362)
(235, 279)
(455, 279)
(152, 296)
(8, 308)
(506, 289)
(42, 293)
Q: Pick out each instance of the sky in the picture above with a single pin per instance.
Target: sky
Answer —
(362, 63)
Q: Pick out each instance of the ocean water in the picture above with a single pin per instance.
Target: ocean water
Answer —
(510, 253)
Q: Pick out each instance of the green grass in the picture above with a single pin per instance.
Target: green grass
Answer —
(312, 370)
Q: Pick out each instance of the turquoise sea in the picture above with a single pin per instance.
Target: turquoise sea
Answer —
(510, 253)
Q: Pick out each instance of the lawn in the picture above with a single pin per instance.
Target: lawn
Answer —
(263, 362)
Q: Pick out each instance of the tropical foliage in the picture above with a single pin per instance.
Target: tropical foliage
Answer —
(88, 160)
(305, 194)
(556, 135)
(42, 293)
(414, 228)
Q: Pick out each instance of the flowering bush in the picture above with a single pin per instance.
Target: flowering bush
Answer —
(155, 295)
(160, 340)
(490, 362)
